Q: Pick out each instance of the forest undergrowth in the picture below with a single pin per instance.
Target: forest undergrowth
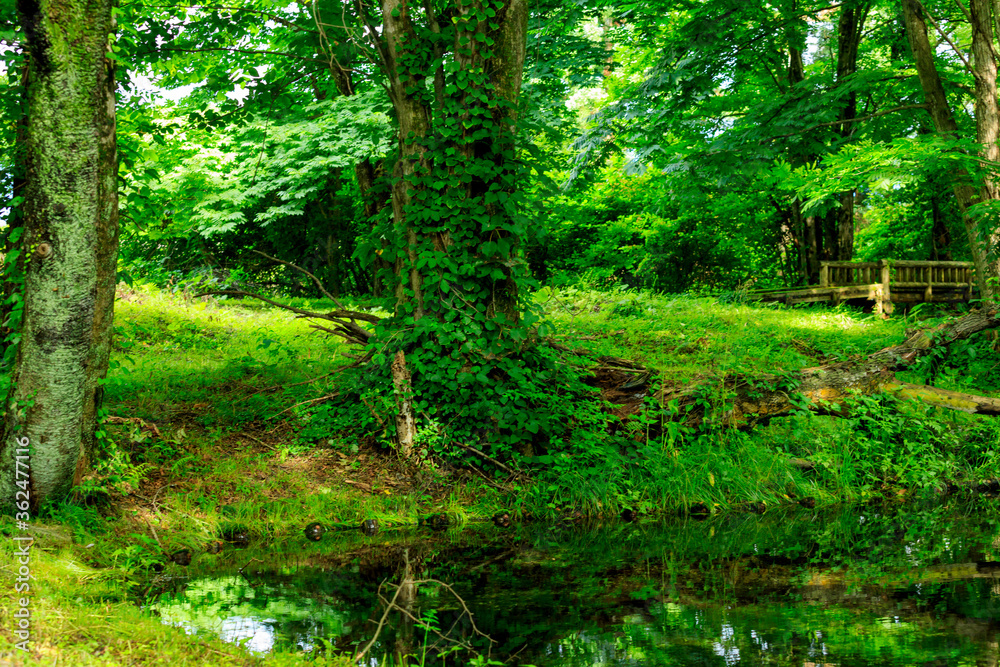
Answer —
(225, 417)
(225, 391)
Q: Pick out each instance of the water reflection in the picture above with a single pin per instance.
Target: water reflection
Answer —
(884, 587)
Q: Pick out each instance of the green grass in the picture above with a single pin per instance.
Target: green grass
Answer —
(233, 358)
(210, 430)
(883, 449)
(694, 336)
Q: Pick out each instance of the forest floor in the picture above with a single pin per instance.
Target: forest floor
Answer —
(209, 433)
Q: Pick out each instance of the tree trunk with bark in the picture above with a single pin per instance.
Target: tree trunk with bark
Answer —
(808, 241)
(494, 51)
(70, 245)
(850, 27)
(944, 124)
(987, 123)
(454, 73)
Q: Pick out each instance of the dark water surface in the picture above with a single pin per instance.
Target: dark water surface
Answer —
(854, 586)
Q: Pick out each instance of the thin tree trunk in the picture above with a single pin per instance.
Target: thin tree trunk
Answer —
(366, 174)
(850, 28)
(940, 234)
(71, 228)
(805, 227)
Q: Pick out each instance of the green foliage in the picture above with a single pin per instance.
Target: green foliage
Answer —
(283, 186)
(887, 444)
(656, 230)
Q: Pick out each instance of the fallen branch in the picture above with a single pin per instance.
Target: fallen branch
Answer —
(306, 402)
(489, 458)
(345, 321)
(143, 424)
(953, 400)
(300, 269)
(826, 389)
(285, 386)
(153, 531)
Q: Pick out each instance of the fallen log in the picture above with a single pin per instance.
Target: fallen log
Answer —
(827, 389)
(953, 400)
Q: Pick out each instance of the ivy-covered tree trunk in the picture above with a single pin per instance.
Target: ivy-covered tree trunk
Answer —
(70, 215)
(453, 178)
(454, 72)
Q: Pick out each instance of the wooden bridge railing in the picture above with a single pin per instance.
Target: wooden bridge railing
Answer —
(911, 277)
(907, 273)
(885, 282)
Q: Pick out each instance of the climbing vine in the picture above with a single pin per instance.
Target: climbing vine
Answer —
(460, 317)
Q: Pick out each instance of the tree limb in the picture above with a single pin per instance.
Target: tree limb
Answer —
(270, 15)
(345, 324)
(235, 50)
(827, 389)
(299, 268)
(850, 120)
(944, 36)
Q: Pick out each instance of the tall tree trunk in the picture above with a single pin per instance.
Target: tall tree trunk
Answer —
(456, 228)
(987, 121)
(70, 241)
(499, 52)
(365, 172)
(944, 123)
(809, 242)
(850, 27)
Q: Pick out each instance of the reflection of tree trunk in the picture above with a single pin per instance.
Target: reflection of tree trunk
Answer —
(944, 123)
(405, 600)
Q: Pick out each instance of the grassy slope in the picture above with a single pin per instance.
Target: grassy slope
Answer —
(203, 389)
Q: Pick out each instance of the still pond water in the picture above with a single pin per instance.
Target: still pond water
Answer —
(853, 586)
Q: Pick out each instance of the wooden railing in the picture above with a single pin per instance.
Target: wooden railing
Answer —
(885, 282)
(917, 279)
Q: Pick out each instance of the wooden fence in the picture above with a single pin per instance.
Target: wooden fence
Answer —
(885, 282)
